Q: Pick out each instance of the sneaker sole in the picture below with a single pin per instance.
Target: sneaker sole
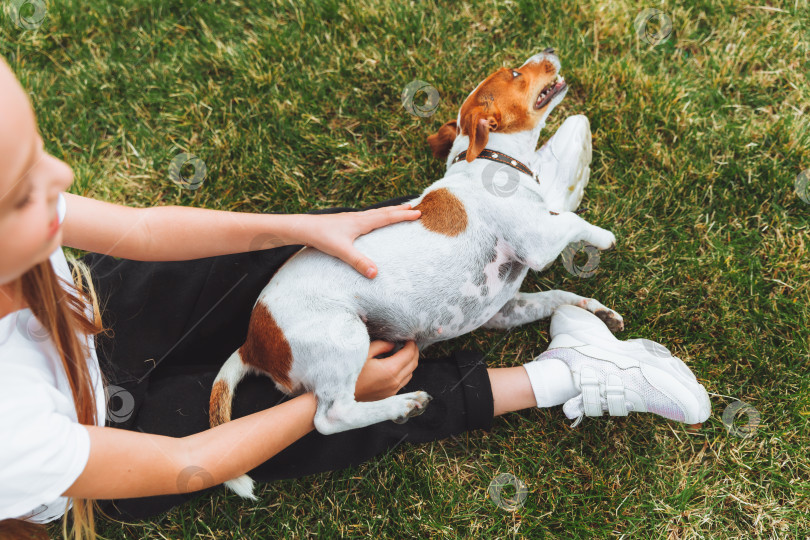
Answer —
(568, 198)
(577, 189)
(583, 331)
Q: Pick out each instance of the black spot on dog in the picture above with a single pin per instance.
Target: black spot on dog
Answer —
(468, 304)
(445, 317)
(507, 310)
(510, 271)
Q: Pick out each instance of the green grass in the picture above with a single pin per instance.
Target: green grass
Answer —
(697, 142)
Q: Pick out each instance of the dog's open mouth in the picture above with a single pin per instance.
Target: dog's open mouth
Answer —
(551, 89)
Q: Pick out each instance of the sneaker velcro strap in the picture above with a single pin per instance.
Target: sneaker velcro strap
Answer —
(589, 384)
(614, 391)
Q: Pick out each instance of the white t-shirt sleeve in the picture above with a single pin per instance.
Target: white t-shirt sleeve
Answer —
(61, 207)
(43, 451)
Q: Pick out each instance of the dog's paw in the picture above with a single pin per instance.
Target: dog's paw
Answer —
(612, 320)
(415, 404)
(603, 239)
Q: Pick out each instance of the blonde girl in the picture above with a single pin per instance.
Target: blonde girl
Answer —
(106, 362)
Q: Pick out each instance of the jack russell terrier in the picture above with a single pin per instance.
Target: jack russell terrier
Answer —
(457, 268)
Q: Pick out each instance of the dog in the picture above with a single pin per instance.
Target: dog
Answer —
(457, 268)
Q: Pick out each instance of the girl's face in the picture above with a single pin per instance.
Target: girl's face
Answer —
(30, 183)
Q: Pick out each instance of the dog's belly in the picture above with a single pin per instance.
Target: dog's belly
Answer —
(438, 294)
(425, 290)
(427, 321)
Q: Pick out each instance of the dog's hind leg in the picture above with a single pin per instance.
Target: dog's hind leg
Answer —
(334, 360)
(344, 413)
(529, 307)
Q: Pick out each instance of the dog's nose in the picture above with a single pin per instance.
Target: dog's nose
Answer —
(549, 50)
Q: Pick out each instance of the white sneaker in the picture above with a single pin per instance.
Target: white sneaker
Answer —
(563, 164)
(622, 376)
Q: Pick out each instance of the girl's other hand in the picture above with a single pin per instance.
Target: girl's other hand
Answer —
(334, 234)
(384, 377)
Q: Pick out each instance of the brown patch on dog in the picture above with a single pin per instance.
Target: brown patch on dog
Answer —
(266, 348)
(219, 408)
(442, 212)
(441, 141)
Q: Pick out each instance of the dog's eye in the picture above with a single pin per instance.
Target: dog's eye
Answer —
(515, 73)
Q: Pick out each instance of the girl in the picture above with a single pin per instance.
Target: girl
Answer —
(106, 365)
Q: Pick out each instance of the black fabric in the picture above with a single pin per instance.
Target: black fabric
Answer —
(174, 324)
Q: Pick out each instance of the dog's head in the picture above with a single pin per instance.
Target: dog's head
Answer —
(510, 100)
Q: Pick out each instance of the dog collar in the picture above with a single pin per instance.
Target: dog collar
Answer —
(500, 157)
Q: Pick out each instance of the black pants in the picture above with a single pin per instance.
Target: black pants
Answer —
(174, 324)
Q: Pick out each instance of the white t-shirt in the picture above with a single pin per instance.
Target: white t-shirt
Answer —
(43, 448)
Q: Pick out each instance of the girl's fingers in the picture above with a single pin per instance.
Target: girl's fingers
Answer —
(411, 360)
(406, 380)
(399, 361)
(411, 365)
(360, 262)
(394, 213)
(378, 347)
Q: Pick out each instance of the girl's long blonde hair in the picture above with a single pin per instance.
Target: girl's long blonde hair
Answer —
(63, 315)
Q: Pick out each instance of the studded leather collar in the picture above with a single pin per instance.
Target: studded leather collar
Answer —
(500, 157)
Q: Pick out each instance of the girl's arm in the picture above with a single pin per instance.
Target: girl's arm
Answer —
(124, 464)
(170, 233)
(178, 233)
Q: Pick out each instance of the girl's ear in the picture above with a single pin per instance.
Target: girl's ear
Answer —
(442, 140)
(477, 125)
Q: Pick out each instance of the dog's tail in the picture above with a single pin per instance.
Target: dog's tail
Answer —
(219, 412)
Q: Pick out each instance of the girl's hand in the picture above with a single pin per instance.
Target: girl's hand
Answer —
(334, 234)
(384, 377)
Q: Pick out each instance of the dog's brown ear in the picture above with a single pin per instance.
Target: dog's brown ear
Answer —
(442, 140)
(477, 125)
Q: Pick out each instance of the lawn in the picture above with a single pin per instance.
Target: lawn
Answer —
(699, 140)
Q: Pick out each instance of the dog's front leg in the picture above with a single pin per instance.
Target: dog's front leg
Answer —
(542, 239)
(529, 307)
